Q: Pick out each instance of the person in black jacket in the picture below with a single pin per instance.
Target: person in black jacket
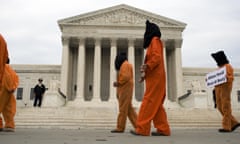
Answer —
(39, 91)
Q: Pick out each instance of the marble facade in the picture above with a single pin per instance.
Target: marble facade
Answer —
(92, 40)
(90, 43)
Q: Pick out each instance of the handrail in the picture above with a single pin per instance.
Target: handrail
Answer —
(184, 96)
(62, 94)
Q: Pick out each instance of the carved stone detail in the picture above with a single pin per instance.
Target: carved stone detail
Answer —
(120, 16)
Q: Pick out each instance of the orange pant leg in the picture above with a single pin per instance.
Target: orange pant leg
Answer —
(152, 107)
(132, 115)
(223, 99)
(160, 121)
(125, 110)
(1, 121)
(9, 112)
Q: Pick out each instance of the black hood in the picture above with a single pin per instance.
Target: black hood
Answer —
(151, 31)
(220, 58)
(120, 58)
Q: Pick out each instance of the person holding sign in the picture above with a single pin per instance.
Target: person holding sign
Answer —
(223, 94)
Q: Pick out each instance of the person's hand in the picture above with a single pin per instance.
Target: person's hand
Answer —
(141, 80)
(143, 68)
(115, 84)
(11, 91)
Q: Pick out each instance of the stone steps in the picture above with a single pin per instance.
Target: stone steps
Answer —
(105, 118)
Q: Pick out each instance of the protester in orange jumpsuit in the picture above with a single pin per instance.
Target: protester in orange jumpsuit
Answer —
(152, 104)
(3, 59)
(223, 94)
(124, 86)
(3, 56)
(10, 83)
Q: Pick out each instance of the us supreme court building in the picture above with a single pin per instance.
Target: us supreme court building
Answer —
(90, 43)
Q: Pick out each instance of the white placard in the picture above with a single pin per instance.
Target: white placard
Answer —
(216, 77)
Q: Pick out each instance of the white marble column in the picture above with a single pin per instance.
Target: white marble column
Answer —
(81, 71)
(97, 71)
(131, 60)
(113, 73)
(165, 66)
(178, 72)
(65, 66)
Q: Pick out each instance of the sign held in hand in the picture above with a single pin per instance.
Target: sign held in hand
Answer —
(216, 77)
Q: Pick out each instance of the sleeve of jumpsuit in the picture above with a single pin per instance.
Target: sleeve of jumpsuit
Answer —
(153, 61)
(11, 82)
(124, 74)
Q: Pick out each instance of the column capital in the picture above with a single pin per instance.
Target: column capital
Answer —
(65, 40)
(113, 41)
(81, 41)
(97, 40)
(131, 41)
(178, 43)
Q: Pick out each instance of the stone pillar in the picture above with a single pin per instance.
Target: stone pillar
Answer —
(131, 60)
(178, 69)
(65, 66)
(165, 63)
(97, 71)
(113, 74)
(81, 71)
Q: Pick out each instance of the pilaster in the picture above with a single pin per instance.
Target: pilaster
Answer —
(65, 64)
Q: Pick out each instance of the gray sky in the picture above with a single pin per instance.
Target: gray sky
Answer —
(33, 36)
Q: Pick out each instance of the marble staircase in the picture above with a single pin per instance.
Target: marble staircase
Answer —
(105, 118)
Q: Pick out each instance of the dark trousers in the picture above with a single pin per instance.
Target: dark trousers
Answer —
(38, 99)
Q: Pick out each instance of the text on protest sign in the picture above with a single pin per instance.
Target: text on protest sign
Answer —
(216, 77)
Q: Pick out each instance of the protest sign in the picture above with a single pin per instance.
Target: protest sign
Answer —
(216, 77)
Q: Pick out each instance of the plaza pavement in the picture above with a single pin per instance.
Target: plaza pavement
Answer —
(103, 136)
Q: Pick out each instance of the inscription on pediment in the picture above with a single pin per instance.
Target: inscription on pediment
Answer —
(119, 17)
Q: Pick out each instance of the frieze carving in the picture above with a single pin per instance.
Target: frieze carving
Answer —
(121, 16)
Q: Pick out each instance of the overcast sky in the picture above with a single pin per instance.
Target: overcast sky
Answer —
(33, 36)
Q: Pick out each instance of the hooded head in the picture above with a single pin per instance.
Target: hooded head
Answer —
(40, 80)
(120, 58)
(151, 31)
(220, 58)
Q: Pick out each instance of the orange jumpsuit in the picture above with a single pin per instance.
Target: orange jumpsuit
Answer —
(124, 94)
(10, 83)
(152, 103)
(223, 100)
(3, 57)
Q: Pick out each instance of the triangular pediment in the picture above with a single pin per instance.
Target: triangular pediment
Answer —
(121, 15)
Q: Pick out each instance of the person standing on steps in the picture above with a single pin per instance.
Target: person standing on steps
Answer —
(39, 91)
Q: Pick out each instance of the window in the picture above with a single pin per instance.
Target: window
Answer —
(19, 93)
(32, 94)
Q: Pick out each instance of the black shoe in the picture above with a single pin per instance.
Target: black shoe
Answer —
(116, 131)
(236, 126)
(224, 131)
(134, 133)
(157, 134)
